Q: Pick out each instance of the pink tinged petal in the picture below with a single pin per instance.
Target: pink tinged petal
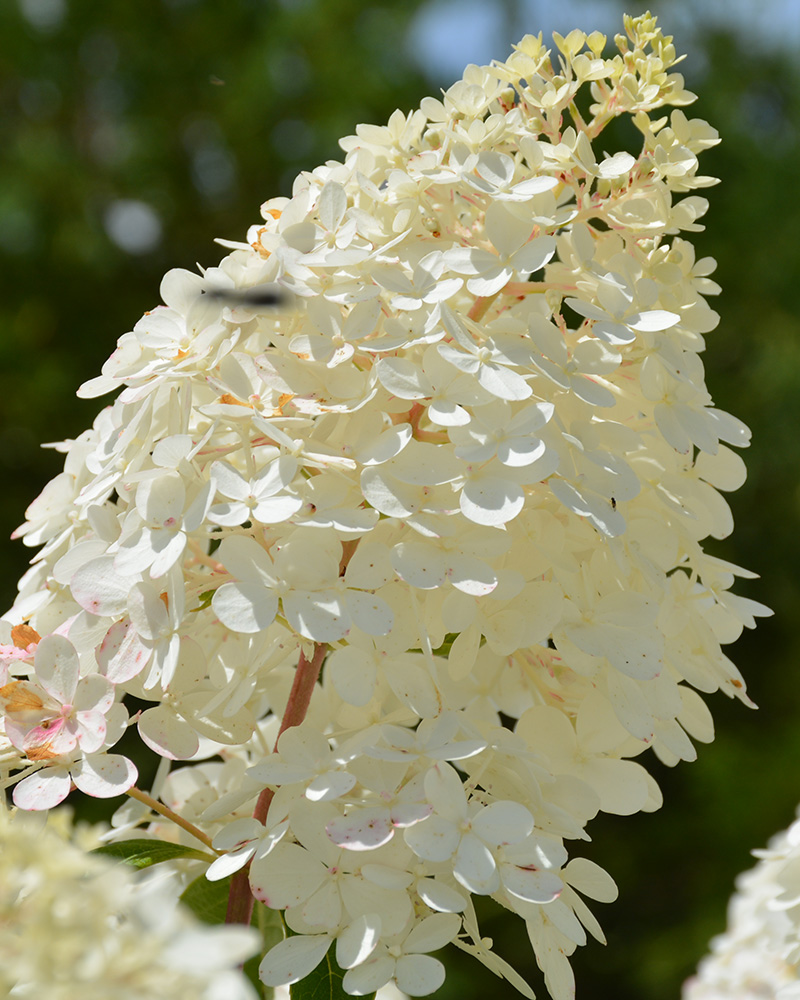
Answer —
(435, 839)
(369, 612)
(475, 866)
(104, 775)
(42, 790)
(293, 959)
(533, 885)
(286, 877)
(502, 823)
(319, 615)
(166, 733)
(48, 740)
(440, 897)
(369, 977)
(329, 786)
(100, 588)
(57, 668)
(121, 654)
(491, 501)
(364, 830)
(358, 941)
(92, 731)
(245, 607)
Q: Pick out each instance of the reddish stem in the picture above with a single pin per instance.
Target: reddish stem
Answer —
(240, 899)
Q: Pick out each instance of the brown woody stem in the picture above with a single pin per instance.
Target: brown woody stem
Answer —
(240, 898)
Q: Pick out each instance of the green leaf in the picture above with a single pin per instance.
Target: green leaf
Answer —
(207, 900)
(144, 853)
(205, 597)
(324, 983)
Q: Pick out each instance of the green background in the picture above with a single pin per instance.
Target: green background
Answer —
(202, 110)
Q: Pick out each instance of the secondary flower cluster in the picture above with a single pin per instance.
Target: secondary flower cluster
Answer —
(83, 928)
(759, 953)
(466, 468)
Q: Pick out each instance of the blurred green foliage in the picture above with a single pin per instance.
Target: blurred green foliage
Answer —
(201, 111)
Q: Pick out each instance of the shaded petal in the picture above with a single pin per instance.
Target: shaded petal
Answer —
(57, 668)
(293, 959)
(419, 975)
(104, 775)
(475, 866)
(42, 790)
(168, 734)
(357, 942)
(245, 607)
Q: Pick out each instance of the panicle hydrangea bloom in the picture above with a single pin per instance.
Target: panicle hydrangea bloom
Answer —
(758, 955)
(74, 927)
(465, 468)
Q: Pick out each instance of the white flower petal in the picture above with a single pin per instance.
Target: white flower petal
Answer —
(419, 975)
(104, 775)
(293, 959)
(358, 941)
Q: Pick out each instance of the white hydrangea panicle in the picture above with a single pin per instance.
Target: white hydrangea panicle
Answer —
(79, 928)
(758, 954)
(417, 549)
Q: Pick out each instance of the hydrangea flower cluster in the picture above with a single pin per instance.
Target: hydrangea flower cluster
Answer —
(435, 521)
(83, 928)
(759, 953)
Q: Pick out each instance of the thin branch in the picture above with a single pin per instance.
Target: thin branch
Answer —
(167, 813)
